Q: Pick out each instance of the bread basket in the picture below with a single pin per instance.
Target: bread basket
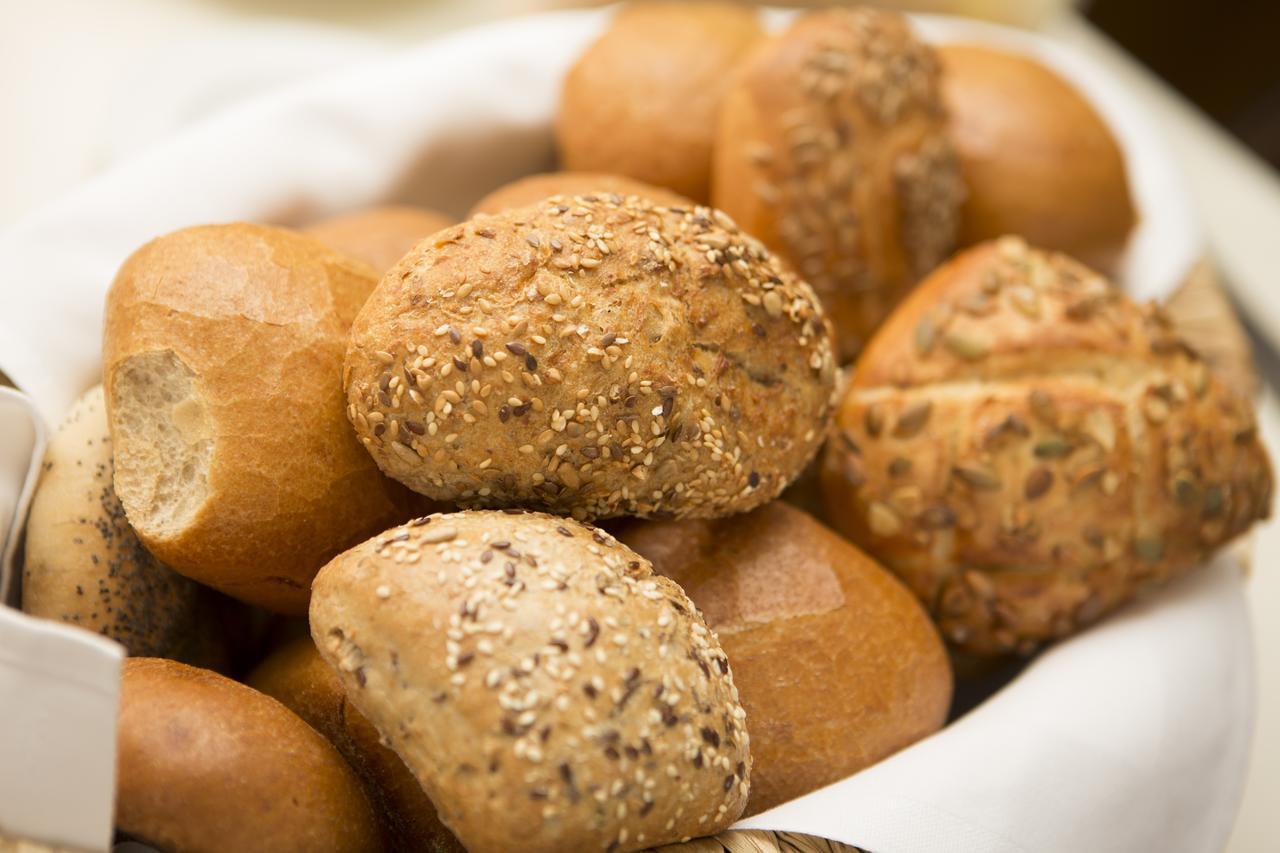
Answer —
(1131, 736)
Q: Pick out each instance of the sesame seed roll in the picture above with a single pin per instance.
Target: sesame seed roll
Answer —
(593, 356)
(532, 189)
(545, 687)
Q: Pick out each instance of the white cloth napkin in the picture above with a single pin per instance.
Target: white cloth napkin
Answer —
(1130, 737)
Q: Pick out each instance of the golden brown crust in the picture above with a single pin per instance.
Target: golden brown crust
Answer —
(258, 318)
(206, 764)
(533, 189)
(379, 236)
(296, 676)
(1028, 449)
(593, 357)
(1036, 157)
(548, 691)
(642, 100)
(83, 563)
(836, 663)
(832, 149)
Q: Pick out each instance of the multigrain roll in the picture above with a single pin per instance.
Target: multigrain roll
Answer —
(832, 148)
(836, 663)
(572, 701)
(1036, 157)
(206, 764)
(593, 356)
(534, 188)
(296, 676)
(1028, 449)
(235, 464)
(85, 566)
(379, 236)
(642, 100)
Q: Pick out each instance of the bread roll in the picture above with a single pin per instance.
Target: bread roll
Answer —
(297, 677)
(85, 566)
(548, 691)
(832, 149)
(1028, 449)
(222, 360)
(1038, 160)
(594, 356)
(642, 100)
(379, 236)
(206, 764)
(534, 188)
(837, 664)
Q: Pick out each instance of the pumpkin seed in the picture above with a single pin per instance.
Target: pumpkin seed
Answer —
(912, 419)
(1027, 301)
(1149, 548)
(1039, 481)
(1011, 425)
(1053, 447)
(883, 521)
(873, 420)
(1214, 500)
(937, 517)
(1185, 490)
(967, 345)
(977, 477)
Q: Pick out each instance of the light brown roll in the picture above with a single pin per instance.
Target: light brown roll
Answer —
(642, 100)
(545, 687)
(533, 189)
(1036, 157)
(379, 236)
(296, 676)
(222, 358)
(596, 357)
(85, 566)
(206, 764)
(1028, 449)
(832, 149)
(836, 663)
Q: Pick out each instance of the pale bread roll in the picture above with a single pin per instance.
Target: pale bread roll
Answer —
(223, 372)
(207, 765)
(379, 236)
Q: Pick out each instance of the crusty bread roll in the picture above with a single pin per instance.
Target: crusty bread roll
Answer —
(1028, 449)
(836, 663)
(642, 100)
(296, 676)
(1036, 157)
(222, 361)
(379, 236)
(85, 566)
(593, 356)
(534, 188)
(832, 149)
(564, 698)
(206, 764)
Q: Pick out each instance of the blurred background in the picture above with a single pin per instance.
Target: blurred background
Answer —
(88, 83)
